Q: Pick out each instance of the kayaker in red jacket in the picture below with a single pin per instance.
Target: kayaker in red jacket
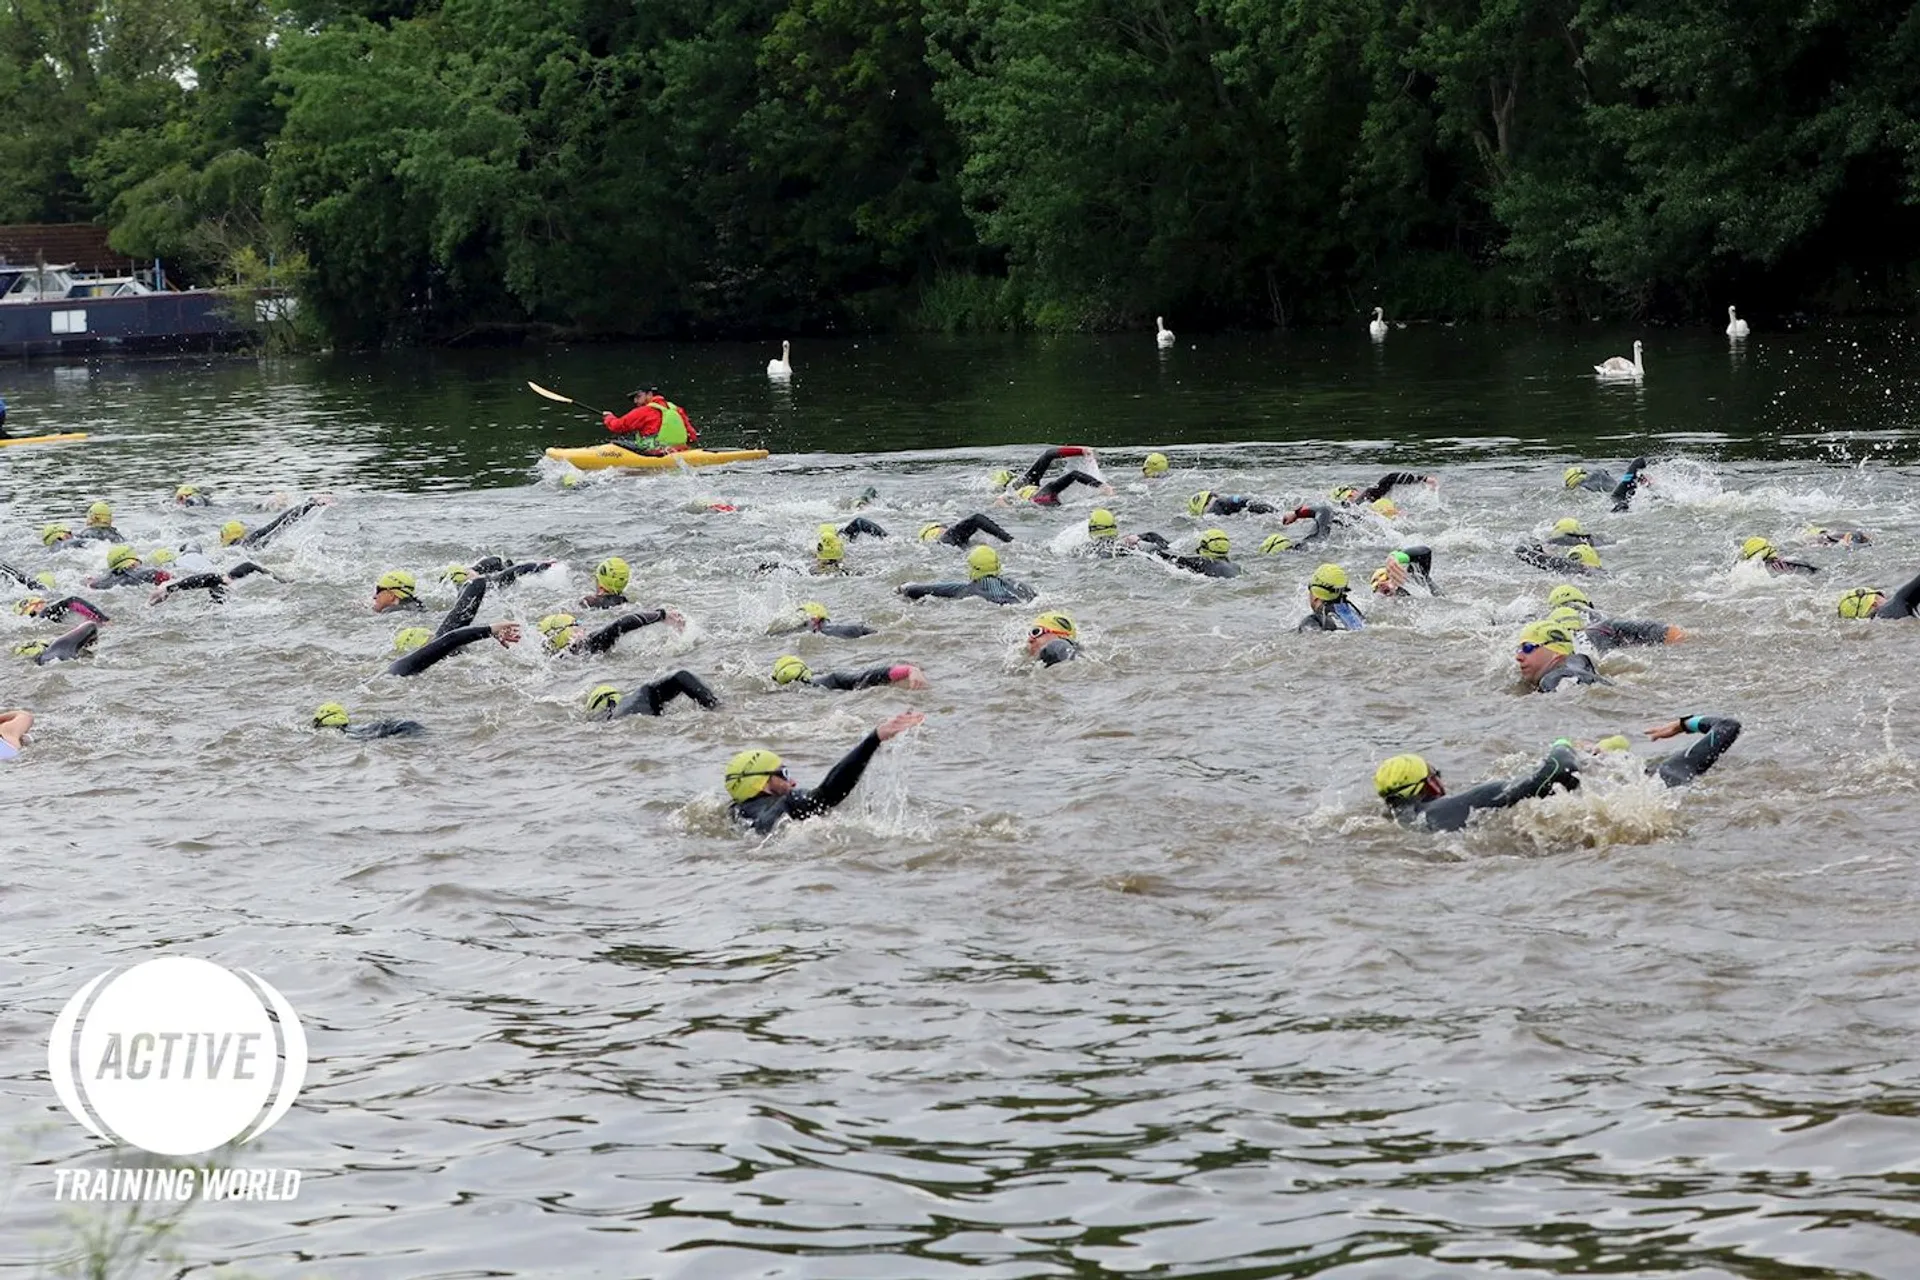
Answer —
(656, 419)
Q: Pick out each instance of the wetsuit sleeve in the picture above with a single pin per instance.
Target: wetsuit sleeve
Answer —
(1718, 733)
(1057, 651)
(1792, 566)
(261, 535)
(844, 630)
(1629, 485)
(513, 571)
(68, 645)
(861, 525)
(386, 729)
(1384, 485)
(1315, 622)
(1322, 522)
(465, 606)
(76, 606)
(412, 664)
(1155, 542)
(1227, 504)
(1054, 488)
(246, 569)
(959, 534)
(1902, 603)
(1450, 813)
(210, 582)
(841, 779)
(1622, 632)
(17, 575)
(603, 639)
(1260, 508)
(871, 678)
(938, 590)
(1045, 460)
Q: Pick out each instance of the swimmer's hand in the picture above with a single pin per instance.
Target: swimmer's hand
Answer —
(676, 619)
(913, 678)
(898, 725)
(158, 594)
(506, 633)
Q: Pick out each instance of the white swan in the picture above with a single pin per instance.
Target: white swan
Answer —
(783, 367)
(1736, 327)
(1378, 328)
(1165, 335)
(1621, 367)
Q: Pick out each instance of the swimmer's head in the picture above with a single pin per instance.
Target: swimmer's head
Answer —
(814, 610)
(1613, 742)
(231, 532)
(1344, 492)
(1276, 543)
(120, 556)
(570, 480)
(982, 562)
(30, 648)
(558, 630)
(1154, 464)
(1584, 554)
(827, 547)
(1385, 507)
(1101, 524)
(1574, 477)
(602, 697)
(789, 668)
(929, 531)
(1001, 478)
(46, 579)
(99, 514)
(1328, 584)
(1565, 525)
(52, 533)
(1213, 545)
(1027, 491)
(1758, 549)
(749, 773)
(1861, 602)
(612, 575)
(329, 715)
(457, 574)
(1403, 779)
(1197, 504)
(1054, 623)
(1545, 635)
(397, 583)
(185, 492)
(407, 639)
(1570, 617)
(30, 607)
(1568, 594)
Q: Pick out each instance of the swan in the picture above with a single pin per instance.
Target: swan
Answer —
(1165, 335)
(1379, 326)
(783, 367)
(1736, 327)
(1621, 367)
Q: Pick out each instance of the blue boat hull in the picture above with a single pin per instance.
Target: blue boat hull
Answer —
(195, 320)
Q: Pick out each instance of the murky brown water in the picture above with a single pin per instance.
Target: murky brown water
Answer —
(1109, 968)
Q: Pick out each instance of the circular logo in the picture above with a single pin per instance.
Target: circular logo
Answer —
(177, 1056)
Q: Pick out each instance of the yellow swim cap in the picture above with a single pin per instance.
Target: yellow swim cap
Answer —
(160, 555)
(398, 581)
(1758, 547)
(1567, 593)
(1574, 476)
(1101, 524)
(52, 533)
(31, 605)
(788, 669)
(1214, 544)
(30, 648)
(1197, 504)
(1549, 635)
(1002, 478)
(558, 629)
(603, 697)
(929, 531)
(1343, 493)
(982, 562)
(120, 556)
(1329, 582)
(1613, 742)
(457, 574)
(231, 532)
(1058, 624)
(1028, 491)
(1570, 617)
(612, 575)
(329, 715)
(829, 549)
(46, 579)
(99, 513)
(1155, 464)
(570, 480)
(1385, 506)
(747, 773)
(1401, 777)
(1581, 553)
(1566, 524)
(185, 491)
(815, 610)
(1276, 542)
(1861, 602)
(410, 638)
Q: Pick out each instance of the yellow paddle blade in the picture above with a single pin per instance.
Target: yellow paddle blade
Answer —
(551, 395)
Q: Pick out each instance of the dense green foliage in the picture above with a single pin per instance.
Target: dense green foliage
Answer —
(429, 170)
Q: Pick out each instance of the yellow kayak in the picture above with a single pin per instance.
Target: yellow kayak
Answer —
(598, 457)
(65, 435)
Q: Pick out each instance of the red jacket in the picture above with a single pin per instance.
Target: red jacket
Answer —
(645, 419)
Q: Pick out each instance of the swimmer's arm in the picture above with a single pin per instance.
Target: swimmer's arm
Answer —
(844, 630)
(1558, 767)
(465, 606)
(844, 776)
(959, 534)
(512, 571)
(1718, 733)
(1625, 632)
(1902, 603)
(938, 590)
(78, 607)
(861, 525)
(1041, 463)
(212, 583)
(603, 639)
(447, 642)
(1384, 485)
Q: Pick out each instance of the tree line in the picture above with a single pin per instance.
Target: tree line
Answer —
(427, 170)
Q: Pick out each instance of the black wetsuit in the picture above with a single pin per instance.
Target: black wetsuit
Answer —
(1322, 517)
(1450, 812)
(1577, 667)
(1540, 558)
(605, 600)
(494, 569)
(215, 584)
(1232, 504)
(412, 664)
(861, 525)
(1616, 633)
(260, 536)
(838, 630)
(1719, 734)
(1058, 650)
(1621, 490)
(1049, 495)
(71, 645)
(1045, 460)
(142, 577)
(18, 575)
(1776, 565)
(604, 639)
(1198, 564)
(1577, 540)
(992, 588)
(466, 606)
(370, 729)
(1903, 603)
(74, 605)
(764, 812)
(1384, 485)
(652, 699)
(871, 678)
(98, 533)
(961, 534)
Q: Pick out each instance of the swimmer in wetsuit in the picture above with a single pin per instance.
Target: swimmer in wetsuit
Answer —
(1677, 770)
(1032, 475)
(14, 725)
(764, 794)
(791, 670)
(611, 577)
(1408, 564)
(59, 610)
(1329, 609)
(563, 634)
(1053, 639)
(1621, 490)
(1872, 602)
(1568, 533)
(419, 648)
(331, 715)
(99, 525)
(605, 702)
(1416, 797)
(1208, 503)
(961, 534)
(123, 570)
(1154, 465)
(1048, 494)
(233, 531)
(984, 583)
(1579, 558)
(1574, 610)
(1817, 536)
(1547, 660)
(1348, 495)
(813, 617)
(1769, 555)
(396, 589)
(74, 644)
(215, 584)
(190, 496)
(1209, 558)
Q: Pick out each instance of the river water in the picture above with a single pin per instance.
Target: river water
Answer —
(1114, 968)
